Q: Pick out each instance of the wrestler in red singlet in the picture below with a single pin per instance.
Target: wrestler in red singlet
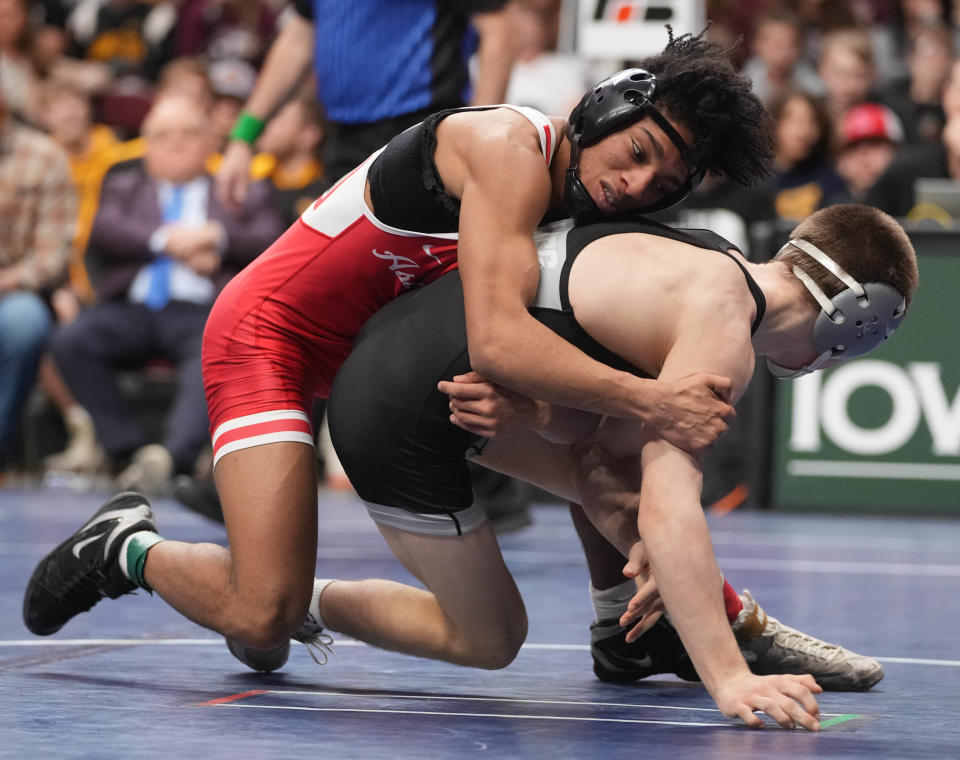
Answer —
(280, 330)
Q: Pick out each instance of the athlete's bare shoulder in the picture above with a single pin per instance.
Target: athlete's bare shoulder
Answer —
(472, 143)
(492, 125)
(634, 292)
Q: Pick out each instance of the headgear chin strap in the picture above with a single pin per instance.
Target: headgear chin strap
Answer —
(852, 323)
(611, 105)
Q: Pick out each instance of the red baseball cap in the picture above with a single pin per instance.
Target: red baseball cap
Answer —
(870, 121)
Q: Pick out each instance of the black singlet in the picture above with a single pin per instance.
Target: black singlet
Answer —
(389, 423)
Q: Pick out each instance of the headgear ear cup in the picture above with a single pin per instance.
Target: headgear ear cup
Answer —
(852, 323)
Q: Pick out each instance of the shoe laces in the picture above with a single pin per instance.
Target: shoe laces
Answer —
(791, 638)
(318, 642)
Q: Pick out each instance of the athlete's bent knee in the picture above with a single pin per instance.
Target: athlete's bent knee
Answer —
(499, 650)
(265, 626)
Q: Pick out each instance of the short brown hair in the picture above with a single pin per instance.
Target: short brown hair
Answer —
(857, 41)
(868, 243)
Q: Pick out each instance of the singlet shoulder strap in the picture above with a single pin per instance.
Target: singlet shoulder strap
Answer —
(755, 290)
(548, 133)
(549, 139)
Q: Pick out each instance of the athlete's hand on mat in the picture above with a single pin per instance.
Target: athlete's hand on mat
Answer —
(694, 411)
(491, 410)
(788, 699)
(233, 176)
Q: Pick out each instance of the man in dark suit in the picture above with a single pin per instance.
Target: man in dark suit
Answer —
(161, 248)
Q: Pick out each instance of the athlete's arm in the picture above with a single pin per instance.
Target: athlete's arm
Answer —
(287, 62)
(493, 410)
(504, 186)
(671, 521)
(495, 55)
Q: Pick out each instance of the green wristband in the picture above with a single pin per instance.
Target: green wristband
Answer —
(247, 129)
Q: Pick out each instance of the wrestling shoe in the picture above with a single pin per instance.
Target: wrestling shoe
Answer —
(85, 568)
(659, 650)
(310, 634)
(770, 648)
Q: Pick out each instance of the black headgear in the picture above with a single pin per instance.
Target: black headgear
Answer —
(611, 105)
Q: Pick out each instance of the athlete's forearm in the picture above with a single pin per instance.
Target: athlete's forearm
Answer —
(287, 62)
(561, 424)
(677, 540)
(495, 55)
(524, 355)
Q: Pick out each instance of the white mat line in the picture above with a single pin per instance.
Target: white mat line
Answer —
(459, 698)
(433, 714)
(515, 700)
(208, 642)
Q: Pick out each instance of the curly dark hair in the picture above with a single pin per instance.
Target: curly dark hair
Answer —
(698, 87)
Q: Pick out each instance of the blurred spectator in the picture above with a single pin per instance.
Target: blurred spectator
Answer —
(126, 104)
(294, 138)
(823, 17)
(777, 64)
(869, 139)
(733, 21)
(895, 191)
(225, 29)
(38, 208)
(50, 13)
(366, 102)
(134, 38)
(543, 78)
(847, 70)
(164, 247)
(67, 115)
(804, 177)
(232, 82)
(910, 16)
(50, 45)
(915, 96)
(18, 78)
(187, 76)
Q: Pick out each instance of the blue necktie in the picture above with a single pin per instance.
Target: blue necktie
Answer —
(158, 294)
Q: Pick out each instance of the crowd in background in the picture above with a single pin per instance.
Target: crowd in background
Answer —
(115, 115)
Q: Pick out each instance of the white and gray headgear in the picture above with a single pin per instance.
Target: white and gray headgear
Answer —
(852, 323)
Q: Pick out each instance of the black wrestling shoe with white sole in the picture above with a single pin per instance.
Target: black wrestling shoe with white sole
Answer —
(659, 650)
(85, 568)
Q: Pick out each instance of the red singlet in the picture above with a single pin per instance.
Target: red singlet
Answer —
(281, 328)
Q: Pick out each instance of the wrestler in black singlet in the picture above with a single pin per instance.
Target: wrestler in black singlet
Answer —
(389, 423)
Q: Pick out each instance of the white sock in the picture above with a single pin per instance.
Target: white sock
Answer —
(319, 584)
(612, 602)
